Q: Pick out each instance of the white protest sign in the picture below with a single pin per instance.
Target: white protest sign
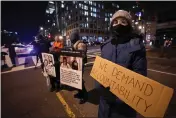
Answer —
(48, 61)
(71, 69)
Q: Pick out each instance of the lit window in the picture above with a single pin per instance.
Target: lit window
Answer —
(102, 6)
(69, 16)
(84, 25)
(91, 14)
(94, 15)
(91, 8)
(87, 25)
(94, 10)
(117, 6)
(110, 14)
(73, 2)
(62, 6)
(87, 18)
(51, 2)
(106, 19)
(67, 7)
(62, 1)
(47, 11)
(76, 7)
(85, 7)
(80, 5)
(85, 13)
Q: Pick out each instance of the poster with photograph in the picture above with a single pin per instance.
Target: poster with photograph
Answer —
(48, 61)
(71, 68)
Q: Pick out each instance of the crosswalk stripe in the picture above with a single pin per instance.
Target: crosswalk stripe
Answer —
(30, 61)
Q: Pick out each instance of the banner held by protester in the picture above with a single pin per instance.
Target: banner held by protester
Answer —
(146, 96)
(71, 68)
(48, 61)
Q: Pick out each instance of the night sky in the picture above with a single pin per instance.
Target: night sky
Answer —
(23, 17)
(26, 17)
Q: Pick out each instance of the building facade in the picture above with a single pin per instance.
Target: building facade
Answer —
(90, 18)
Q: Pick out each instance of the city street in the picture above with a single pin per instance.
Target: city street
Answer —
(30, 28)
(25, 93)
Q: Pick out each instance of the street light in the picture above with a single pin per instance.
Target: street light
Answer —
(140, 27)
(61, 37)
(41, 28)
(136, 23)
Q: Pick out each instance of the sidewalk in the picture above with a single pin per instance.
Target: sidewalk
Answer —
(157, 52)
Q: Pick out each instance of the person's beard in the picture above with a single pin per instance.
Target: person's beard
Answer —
(120, 33)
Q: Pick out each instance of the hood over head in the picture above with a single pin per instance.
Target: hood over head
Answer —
(74, 37)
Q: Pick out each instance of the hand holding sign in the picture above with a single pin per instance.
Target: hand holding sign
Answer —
(146, 96)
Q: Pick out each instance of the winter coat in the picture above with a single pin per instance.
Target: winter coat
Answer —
(131, 55)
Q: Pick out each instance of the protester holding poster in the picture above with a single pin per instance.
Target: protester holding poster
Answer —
(55, 51)
(79, 45)
(126, 49)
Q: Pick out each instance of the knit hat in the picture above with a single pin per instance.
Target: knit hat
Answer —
(124, 14)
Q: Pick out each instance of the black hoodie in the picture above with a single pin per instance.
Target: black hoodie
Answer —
(74, 37)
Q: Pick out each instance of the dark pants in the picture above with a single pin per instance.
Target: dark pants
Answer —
(13, 60)
(55, 81)
(115, 110)
(83, 93)
(39, 56)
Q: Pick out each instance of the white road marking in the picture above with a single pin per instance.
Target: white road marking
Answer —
(93, 50)
(18, 69)
(167, 73)
(162, 72)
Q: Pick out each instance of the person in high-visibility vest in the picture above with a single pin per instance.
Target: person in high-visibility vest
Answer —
(58, 44)
(56, 48)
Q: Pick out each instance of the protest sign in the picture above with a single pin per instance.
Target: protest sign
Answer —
(143, 94)
(71, 68)
(48, 61)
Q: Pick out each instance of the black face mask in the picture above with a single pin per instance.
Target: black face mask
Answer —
(121, 30)
(120, 34)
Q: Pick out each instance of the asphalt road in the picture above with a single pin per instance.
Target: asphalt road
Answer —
(25, 94)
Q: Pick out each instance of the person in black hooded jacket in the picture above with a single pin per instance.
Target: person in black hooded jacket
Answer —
(78, 44)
